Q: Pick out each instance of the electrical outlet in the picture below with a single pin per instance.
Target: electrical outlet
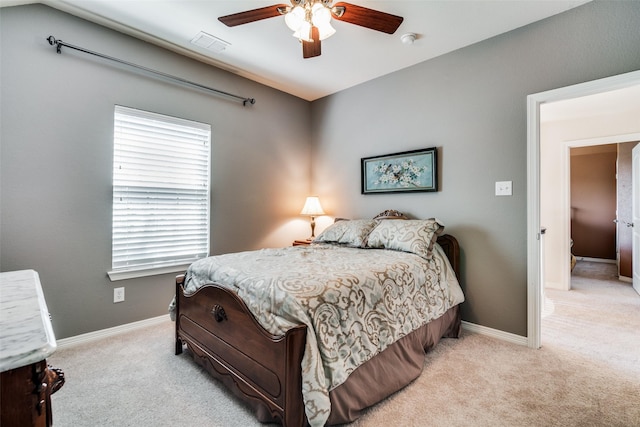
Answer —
(503, 188)
(118, 295)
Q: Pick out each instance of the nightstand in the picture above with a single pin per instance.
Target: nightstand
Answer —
(301, 242)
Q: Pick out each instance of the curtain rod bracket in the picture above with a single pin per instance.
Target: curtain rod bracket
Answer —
(52, 40)
(59, 43)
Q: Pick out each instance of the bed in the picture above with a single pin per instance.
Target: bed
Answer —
(314, 335)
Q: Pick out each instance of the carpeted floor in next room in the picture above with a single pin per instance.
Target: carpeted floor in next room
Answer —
(586, 374)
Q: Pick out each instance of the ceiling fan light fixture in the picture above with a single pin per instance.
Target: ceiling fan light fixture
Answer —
(320, 14)
(307, 14)
(295, 18)
(304, 32)
(321, 18)
(326, 31)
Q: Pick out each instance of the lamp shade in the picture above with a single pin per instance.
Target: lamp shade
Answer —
(304, 32)
(312, 207)
(294, 18)
(321, 18)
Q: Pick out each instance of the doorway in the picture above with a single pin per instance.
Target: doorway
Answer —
(535, 180)
(594, 199)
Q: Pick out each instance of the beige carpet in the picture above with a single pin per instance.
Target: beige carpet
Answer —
(586, 374)
(599, 319)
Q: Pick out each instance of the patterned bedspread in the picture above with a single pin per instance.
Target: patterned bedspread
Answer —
(355, 302)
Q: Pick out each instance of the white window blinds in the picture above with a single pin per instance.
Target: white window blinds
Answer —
(160, 191)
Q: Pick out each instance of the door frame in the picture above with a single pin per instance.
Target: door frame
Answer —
(565, 207)
(534, 273)
(635, 201)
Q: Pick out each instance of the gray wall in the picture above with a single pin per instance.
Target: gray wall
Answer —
(56, 161)
(56, 151)
(471, 104)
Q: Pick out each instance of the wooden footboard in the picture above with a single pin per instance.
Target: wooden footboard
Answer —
(225, 339)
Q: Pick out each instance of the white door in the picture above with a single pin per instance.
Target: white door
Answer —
(635, 188)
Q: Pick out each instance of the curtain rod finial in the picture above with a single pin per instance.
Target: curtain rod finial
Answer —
(52, 40)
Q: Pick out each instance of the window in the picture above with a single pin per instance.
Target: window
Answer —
(160, 193)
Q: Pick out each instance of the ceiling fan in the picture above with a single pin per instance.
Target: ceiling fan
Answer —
(310, 20)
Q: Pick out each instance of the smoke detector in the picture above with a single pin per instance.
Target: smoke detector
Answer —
(408, 38)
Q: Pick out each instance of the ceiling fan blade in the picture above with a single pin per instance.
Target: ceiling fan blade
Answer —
(369, 18)
(252, 15)
(312, 48)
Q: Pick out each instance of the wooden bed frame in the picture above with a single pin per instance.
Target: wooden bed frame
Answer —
(262, 369)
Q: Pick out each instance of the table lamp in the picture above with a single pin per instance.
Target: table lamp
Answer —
(313, 209)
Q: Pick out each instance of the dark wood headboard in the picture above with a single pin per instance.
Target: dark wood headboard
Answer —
(452, 250)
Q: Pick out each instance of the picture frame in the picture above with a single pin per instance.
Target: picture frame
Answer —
(407, 171)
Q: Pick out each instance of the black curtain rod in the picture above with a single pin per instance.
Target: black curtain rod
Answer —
(59, 43)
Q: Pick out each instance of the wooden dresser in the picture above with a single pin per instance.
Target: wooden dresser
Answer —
(26, 340)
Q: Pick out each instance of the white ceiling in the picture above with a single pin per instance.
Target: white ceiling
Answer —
(266, 52)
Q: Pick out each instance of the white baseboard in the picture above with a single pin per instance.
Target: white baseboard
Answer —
(625, 279)
(554, 285)
(495, 333)
(109, 332)
(603, 260)
(116, 330)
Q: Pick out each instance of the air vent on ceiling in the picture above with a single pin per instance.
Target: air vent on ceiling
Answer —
(210, 42)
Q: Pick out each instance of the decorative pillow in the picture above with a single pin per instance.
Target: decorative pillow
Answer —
(415, 236)
(347, 232)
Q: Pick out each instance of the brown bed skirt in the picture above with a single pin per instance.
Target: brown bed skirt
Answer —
(391, 370)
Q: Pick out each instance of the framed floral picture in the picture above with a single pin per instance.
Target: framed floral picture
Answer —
(401, 172)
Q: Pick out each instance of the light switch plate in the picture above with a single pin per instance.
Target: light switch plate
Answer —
(503, 188)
